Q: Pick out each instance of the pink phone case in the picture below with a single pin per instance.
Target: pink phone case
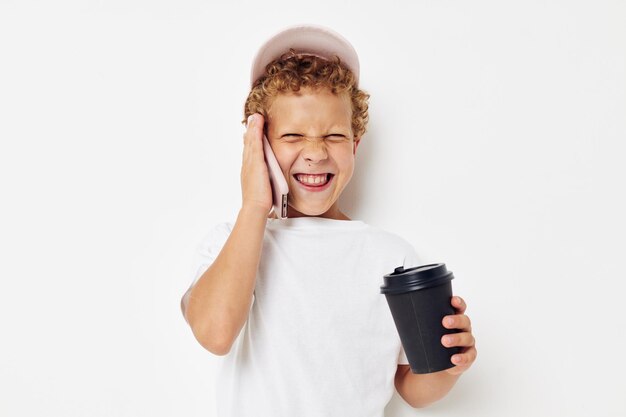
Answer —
(280, 189)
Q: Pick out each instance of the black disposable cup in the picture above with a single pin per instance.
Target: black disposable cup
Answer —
(419, 298)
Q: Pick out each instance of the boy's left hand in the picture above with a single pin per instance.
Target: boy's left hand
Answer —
(464, 338)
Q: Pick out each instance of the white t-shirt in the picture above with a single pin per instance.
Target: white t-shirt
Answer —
(320, 339)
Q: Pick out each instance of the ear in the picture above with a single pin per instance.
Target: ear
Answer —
(356, 145)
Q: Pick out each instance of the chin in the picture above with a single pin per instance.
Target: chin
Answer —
(310, 211)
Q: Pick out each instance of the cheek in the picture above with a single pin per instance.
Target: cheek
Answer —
(346, 163)
(285, 159)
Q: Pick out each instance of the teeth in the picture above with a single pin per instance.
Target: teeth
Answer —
(312, 179)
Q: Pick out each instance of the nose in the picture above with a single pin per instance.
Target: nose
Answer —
(314, 150)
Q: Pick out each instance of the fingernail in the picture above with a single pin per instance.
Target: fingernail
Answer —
(449, 321)
(250, 120)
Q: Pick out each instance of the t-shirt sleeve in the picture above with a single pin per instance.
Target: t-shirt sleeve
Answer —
(411, 258)
(402, 359)
(209, 248)
(206, 253)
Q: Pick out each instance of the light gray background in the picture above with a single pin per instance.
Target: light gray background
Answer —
(496, 145)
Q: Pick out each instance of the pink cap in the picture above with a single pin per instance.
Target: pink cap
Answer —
(308, 40)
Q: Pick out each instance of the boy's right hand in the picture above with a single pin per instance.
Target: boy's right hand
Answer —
(255, 180)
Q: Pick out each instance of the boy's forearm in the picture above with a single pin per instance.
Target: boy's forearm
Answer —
(421, 390)
(218, 305)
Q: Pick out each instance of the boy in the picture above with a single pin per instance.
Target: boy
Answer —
(294, 304)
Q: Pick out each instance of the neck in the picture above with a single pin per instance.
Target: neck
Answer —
(333, 213)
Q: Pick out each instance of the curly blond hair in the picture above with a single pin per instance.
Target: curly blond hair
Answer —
(292, 71)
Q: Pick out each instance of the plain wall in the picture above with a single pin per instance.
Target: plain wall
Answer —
(496, 145)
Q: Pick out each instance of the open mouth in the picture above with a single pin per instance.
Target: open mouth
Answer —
(314, 180)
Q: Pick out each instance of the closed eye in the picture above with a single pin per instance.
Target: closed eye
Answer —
(292, 137)
(335, 137)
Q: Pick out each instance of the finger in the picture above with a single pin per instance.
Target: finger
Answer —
(255, 121)
(459, 304)
(250, 121)
(457, 321)
(458, 339)
(465, 359)
(250, 136)
(249, 127)
(254, 132)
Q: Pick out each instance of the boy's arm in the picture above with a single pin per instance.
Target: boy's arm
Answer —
(421, 390)
(217, 306)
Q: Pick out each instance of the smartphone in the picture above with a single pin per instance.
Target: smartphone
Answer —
(280, 189)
